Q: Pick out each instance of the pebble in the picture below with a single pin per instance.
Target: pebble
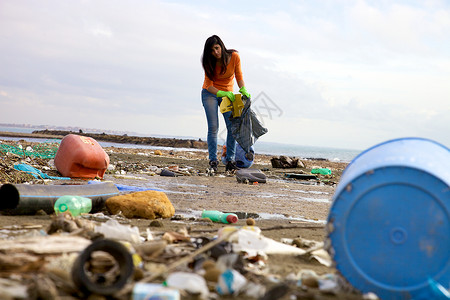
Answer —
(209, 264)
(156, 223)
(212, 273)
(250, 222)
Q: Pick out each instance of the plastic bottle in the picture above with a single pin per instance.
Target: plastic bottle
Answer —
(217, 216)
(322, 171)
(76, 205)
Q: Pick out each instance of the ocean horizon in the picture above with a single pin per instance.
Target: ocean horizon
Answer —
(260, 147)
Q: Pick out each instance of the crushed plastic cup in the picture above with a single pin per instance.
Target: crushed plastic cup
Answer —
(114, 230)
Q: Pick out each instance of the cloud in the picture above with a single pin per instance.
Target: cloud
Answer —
(341, 73)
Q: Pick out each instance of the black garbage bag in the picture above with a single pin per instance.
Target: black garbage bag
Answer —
(246, 128)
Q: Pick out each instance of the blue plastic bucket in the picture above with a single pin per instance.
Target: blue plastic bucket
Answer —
(389, 222)
(240, 158)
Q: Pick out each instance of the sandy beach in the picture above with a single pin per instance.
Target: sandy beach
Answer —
(283, 208)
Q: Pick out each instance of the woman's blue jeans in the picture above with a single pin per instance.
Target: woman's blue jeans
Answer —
(211, 105)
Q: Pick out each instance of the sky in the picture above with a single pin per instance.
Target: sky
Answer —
(337, 73)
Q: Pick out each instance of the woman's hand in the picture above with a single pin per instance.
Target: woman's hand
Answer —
(244, 92)
(230, 95)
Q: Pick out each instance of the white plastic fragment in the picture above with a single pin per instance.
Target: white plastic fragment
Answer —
(114, 230)
(322, 257)
(145, 291)
(328, 283)
(190, 282)
(253, 244)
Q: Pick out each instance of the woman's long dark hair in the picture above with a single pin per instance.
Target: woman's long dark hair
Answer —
(209, 61)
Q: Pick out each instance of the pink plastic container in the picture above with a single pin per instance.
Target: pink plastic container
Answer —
(81, 157)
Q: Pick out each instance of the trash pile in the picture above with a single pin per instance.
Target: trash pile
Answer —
(37, 155)
(41, 157)
(41, 150)
(388, 218)
(87, 252)
(97, 254)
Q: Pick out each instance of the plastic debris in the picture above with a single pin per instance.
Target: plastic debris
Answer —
(230, 282)
(114, 230)
(75, 205)
(39, 263)
(253, 243)
(217, 216)
(37, 173)
(189, 282)
(321, 171)
(145, 291)
(42, 150)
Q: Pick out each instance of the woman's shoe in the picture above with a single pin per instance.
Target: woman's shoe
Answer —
(231, 166)
(213, 164)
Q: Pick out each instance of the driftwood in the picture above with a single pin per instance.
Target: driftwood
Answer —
(52, 244)
(278, 227)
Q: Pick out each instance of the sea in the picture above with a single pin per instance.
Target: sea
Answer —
(260, 147)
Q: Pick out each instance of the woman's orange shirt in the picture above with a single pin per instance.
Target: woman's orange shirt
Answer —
(224, 82)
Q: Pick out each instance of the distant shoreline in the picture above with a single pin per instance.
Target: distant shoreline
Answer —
(123, 139)
(263, 148)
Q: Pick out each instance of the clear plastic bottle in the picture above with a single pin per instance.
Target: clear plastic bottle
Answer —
(76, 205)
(217, 216)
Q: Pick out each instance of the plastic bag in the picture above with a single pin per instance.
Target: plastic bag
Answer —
(114, 230)
(246, 128)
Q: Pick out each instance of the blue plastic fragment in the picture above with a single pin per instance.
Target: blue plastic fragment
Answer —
(129, 188)
(37, 173)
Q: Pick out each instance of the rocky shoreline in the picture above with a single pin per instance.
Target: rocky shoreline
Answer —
(125, 139)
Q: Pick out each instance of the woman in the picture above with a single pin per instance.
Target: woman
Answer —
(221, 66)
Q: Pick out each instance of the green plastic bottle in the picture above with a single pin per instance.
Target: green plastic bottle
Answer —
(217, 216)
(322, 171)
(76, 205)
